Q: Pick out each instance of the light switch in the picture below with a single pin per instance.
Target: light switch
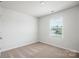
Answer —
(0, 38)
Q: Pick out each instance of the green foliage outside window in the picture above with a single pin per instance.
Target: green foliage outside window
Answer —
(57, 29)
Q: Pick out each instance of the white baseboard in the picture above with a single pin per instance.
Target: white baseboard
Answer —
(18, 46)
(72, 50)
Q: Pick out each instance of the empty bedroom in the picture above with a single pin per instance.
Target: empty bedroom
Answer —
(39, 29)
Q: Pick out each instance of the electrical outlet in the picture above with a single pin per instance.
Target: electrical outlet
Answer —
(0, 51)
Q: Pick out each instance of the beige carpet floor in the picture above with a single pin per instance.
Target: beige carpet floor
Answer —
(39, 50)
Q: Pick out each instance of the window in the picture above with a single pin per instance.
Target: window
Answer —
(56, 26)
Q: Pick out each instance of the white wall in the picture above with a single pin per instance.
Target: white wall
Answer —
(18, 29)
(1, 27)
(70, 38)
